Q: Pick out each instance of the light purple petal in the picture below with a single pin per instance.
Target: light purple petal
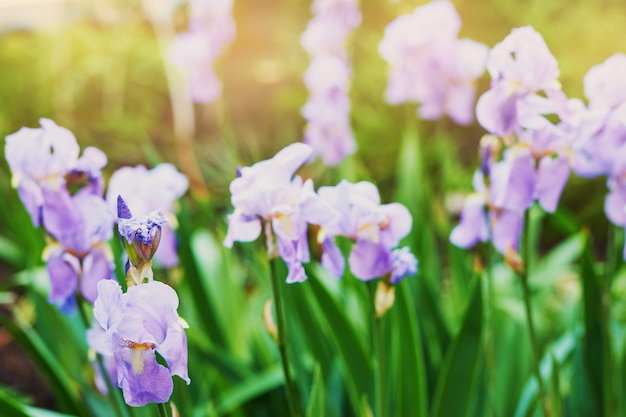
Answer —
(370, 260)
(332, 258)
(506, 230)
(242, 228)
(615, 206)
(96, 266)
(152, 385)
(553, 175)
(399, 223)
(473, 226)
(63, 269)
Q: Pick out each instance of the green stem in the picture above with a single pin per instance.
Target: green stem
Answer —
(611, 267)
(162, 410)
(377, 342)
(490, 360)
(120, 410)
(529, 315)
(282, 345)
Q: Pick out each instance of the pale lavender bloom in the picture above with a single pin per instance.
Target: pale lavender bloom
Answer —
(404, 264)
(211, 28)
(327, 112)
(520, 67)
(133, 327)
(44, 162)
(374, 228)
(429, 65)
(194, 54)
(328, 129)
(146, 190)
(267, 194)
(81, 257)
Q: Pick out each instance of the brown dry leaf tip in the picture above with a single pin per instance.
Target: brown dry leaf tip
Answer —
(385, 296)
(270, 324)
(513, 259)
(175, 412)
(478, 265)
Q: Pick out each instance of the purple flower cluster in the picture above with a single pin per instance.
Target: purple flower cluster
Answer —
(430, 65)
(211, 28)
(519, 108)
(63, 193)
(267, 197)
(327, 112)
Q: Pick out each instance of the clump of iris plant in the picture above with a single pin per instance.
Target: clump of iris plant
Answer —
(137, 327)
(327, 79)
(429, 65)
(63, 193)
(527, 156)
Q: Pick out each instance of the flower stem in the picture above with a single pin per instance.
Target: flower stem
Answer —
(162, 410)
(523, 274)
(377, 343)
(281, 341)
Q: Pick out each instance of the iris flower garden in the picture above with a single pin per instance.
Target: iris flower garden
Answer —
(312, 208)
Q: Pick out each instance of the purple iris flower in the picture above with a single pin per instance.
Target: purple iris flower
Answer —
(44, 163)
(520, 66)
(430, 66)
(375, 228)
(268, 197)
(132, 328)
(81, 257)
(145, 191)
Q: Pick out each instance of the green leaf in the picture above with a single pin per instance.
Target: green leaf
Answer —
(316, 399)
(64, 389)
(251, 388)
(559, 354)
(409, 372)
(458, 382)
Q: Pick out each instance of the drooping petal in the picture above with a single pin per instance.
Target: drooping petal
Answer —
(97, 265)
(506, 230)
(141, 378)
(615, 206)
(472, 227)
(332, 258)
(63, 269)
(553, 175)
(370, 260)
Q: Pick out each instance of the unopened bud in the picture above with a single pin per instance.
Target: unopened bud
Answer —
(270, 324)
(513, 259)
(385, 297)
